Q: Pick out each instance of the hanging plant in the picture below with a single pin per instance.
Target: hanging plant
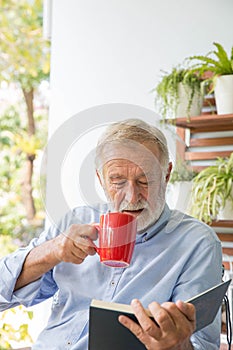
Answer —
(167, 92)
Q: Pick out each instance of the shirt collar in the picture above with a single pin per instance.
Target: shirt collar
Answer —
(156, 227)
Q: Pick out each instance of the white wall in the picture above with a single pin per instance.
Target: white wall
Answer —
(112, 51)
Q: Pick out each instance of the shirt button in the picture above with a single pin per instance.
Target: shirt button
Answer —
(112, 283)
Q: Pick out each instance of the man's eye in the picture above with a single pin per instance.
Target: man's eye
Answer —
(118, 183)
(146, 183)
(143, 183)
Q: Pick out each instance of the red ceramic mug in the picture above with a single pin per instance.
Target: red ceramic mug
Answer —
(117, 236)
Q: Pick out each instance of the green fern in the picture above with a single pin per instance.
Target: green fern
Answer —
(218, 64)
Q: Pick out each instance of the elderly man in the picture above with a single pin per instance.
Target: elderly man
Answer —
(175, 256)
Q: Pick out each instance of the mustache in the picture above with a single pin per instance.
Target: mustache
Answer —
(125, 205)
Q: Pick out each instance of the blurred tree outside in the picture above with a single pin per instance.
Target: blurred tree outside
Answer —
(24, 67)
(24, 76)
(12, 334)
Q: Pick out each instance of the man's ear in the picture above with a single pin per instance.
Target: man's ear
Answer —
(169, 169)
(99, 177)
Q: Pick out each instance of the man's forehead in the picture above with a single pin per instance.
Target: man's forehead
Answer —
(117, 166)
(132, 152)
(139, 167)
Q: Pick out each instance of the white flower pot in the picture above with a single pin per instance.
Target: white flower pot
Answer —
(224, 94)
(226, 213)
(179, 195)
(184, 96)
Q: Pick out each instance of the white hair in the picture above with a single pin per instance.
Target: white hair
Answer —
(136, 130)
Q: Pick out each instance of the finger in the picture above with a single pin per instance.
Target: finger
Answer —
(187, 309)
(81, 236)
(135, 328)
(148, 325)
(183, 324)
(85, 231)
(67, 252)
(82, 243)
(162, 317)
(76, 259)
(85, 245)
(73, 251)
(79, 251)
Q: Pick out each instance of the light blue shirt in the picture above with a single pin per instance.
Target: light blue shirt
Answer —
(176, 258)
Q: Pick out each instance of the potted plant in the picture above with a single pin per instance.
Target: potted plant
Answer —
(217, 70)
(179, 94)
(212, 189)
(180, 186)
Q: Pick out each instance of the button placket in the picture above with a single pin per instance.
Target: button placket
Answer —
(113, 283)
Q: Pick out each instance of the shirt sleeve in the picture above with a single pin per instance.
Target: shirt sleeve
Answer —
(11, 266)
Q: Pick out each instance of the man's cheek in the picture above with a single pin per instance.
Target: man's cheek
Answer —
(153, 193)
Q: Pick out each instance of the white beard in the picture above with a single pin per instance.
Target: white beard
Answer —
(150, 213)
(148, 216)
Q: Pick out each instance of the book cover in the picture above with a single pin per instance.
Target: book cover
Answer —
(106, 333)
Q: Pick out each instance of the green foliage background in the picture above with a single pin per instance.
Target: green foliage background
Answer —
(24, 66)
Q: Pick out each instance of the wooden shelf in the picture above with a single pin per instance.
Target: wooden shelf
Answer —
(224, 231)
(200, 124)
(205, 123)
(222, 223)
(189, 148)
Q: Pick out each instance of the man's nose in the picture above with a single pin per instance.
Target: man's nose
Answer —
(132, 194)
